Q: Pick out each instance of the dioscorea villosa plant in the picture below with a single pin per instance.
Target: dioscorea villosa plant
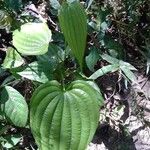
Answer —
(63, 116)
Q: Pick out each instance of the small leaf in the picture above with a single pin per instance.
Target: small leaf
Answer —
(32, 39)
(92, 59)
(88, 3)
(110, 59)
(55, 4)
(12, 59)
(11, 141)
(14, 106)
(127, 65)
(5, 20)
(104, 26)
(36, 72)
(124, 66)
(148, 66)
(128, 73)
(104, 70)
(117, 61)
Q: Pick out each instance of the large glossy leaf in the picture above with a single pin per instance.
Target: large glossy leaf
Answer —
(12, 59)
(14, 106)
(32, 39)
(36, 71)
(64, 119)
(72, 18)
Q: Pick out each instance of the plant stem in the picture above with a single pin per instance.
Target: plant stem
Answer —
(4, 129)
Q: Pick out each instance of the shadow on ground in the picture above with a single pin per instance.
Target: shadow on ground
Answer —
(112, 139)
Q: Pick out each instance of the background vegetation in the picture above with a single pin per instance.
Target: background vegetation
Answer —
(117, 57)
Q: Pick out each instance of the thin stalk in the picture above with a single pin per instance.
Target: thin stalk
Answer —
(62, 81)
(62, 69)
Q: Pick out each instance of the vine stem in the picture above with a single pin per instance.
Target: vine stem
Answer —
(62, 81)
(62, 70)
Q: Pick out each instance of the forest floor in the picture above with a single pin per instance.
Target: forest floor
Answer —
(128, 124)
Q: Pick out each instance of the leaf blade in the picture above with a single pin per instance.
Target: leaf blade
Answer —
(102, 71)
(32, 39)
(12, 59)
(36, 71)
(14, 106)
(59, 119)
(70, 16)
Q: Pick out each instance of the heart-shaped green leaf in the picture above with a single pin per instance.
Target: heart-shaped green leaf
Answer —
(14, 106)
(64, 119)
(32, 39)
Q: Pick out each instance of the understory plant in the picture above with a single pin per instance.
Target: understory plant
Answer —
(64, 109)
(51, 54)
